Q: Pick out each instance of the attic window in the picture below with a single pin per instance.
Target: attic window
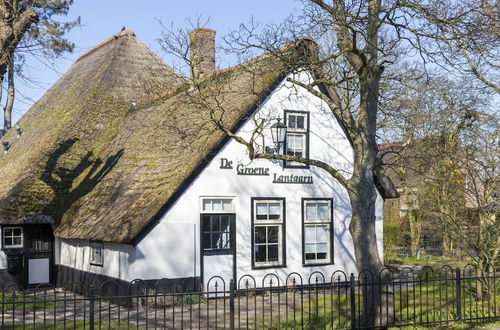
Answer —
(297, 136)
(96, 254)
(12, 237)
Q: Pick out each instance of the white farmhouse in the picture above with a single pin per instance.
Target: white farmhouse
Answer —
(120, 173)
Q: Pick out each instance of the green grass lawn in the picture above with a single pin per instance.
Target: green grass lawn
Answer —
(29, 302)
(429, 302)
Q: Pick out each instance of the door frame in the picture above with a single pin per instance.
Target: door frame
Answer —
(28, 254)
(232, 242)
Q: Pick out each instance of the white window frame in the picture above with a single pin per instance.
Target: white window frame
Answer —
(93, 247)
(304, 132)
(315, 223)
(280, 223)
(13, 246)
(217, 198)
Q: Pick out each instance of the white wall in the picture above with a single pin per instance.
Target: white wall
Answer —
(3, 260)
(171, 249)
(76, 254)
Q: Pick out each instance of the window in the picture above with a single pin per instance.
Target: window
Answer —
(268, 221)
(217, 222)
(317, 231)
(297, 136)
(96, 254)
(216, 232)
(12, 237)
(217, 205)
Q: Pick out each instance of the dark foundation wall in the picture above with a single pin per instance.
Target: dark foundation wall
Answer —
(80, 282)
(10, 279)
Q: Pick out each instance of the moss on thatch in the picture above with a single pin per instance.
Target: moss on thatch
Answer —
(101, 169)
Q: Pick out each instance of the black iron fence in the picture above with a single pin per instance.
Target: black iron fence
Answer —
(410, 296)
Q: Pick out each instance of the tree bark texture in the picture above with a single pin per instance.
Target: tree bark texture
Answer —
(7, 112)
(14, 22)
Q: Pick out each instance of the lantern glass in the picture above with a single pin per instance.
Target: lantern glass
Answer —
(278, 132)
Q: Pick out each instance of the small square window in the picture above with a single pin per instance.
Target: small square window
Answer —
(12, 237)
(96, 254)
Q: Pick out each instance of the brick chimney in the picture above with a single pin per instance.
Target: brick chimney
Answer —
(202, 44)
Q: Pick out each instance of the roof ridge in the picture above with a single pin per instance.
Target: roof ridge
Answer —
(121, 34)
(234, 67)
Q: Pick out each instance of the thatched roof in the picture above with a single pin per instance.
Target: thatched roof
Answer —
(98, 168)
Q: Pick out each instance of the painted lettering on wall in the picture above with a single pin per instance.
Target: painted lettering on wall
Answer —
(292, 179)
(226, 163)
(243, 170)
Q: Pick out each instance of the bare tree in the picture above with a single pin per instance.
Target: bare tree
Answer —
(355, 41)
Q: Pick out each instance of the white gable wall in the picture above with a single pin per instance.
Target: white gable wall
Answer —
(163, 251)
(171, 249)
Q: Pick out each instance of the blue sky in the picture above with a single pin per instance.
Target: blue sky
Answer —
(103, 18)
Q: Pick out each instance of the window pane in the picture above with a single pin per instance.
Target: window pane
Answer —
(260, 234)
(215, 241)
(17, 240)
(310, 256)
(8, 231)
(8, 241)
(224, 223)
(323, 247)
(206, 223)
(261, 210)
(322, 256)
(299, 142)
(322, 234)
(226, 205)
(206, 242)
(274, 210)
(225, 241)
(310, 234)
(207, 205)
(311, 211)
(310, 248)
(273, 252)
(217, 205)
(273, 234)
(292, 121)
(324, 211)
(300, 122)
(215, 223)
(260, 253)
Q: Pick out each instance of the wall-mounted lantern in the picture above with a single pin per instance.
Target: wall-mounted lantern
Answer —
(278, 134)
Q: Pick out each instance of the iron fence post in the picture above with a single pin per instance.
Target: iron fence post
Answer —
(353, 301)
(459, 294)
(91, 307)
(231, 304)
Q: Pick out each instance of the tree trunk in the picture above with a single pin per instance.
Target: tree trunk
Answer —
(415, 230)
(7, 111)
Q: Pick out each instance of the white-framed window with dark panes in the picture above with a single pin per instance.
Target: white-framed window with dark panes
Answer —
(268, 232)
(317, 231)
(217, 225)
(96, 254)
(297, 137)
(12, 237)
